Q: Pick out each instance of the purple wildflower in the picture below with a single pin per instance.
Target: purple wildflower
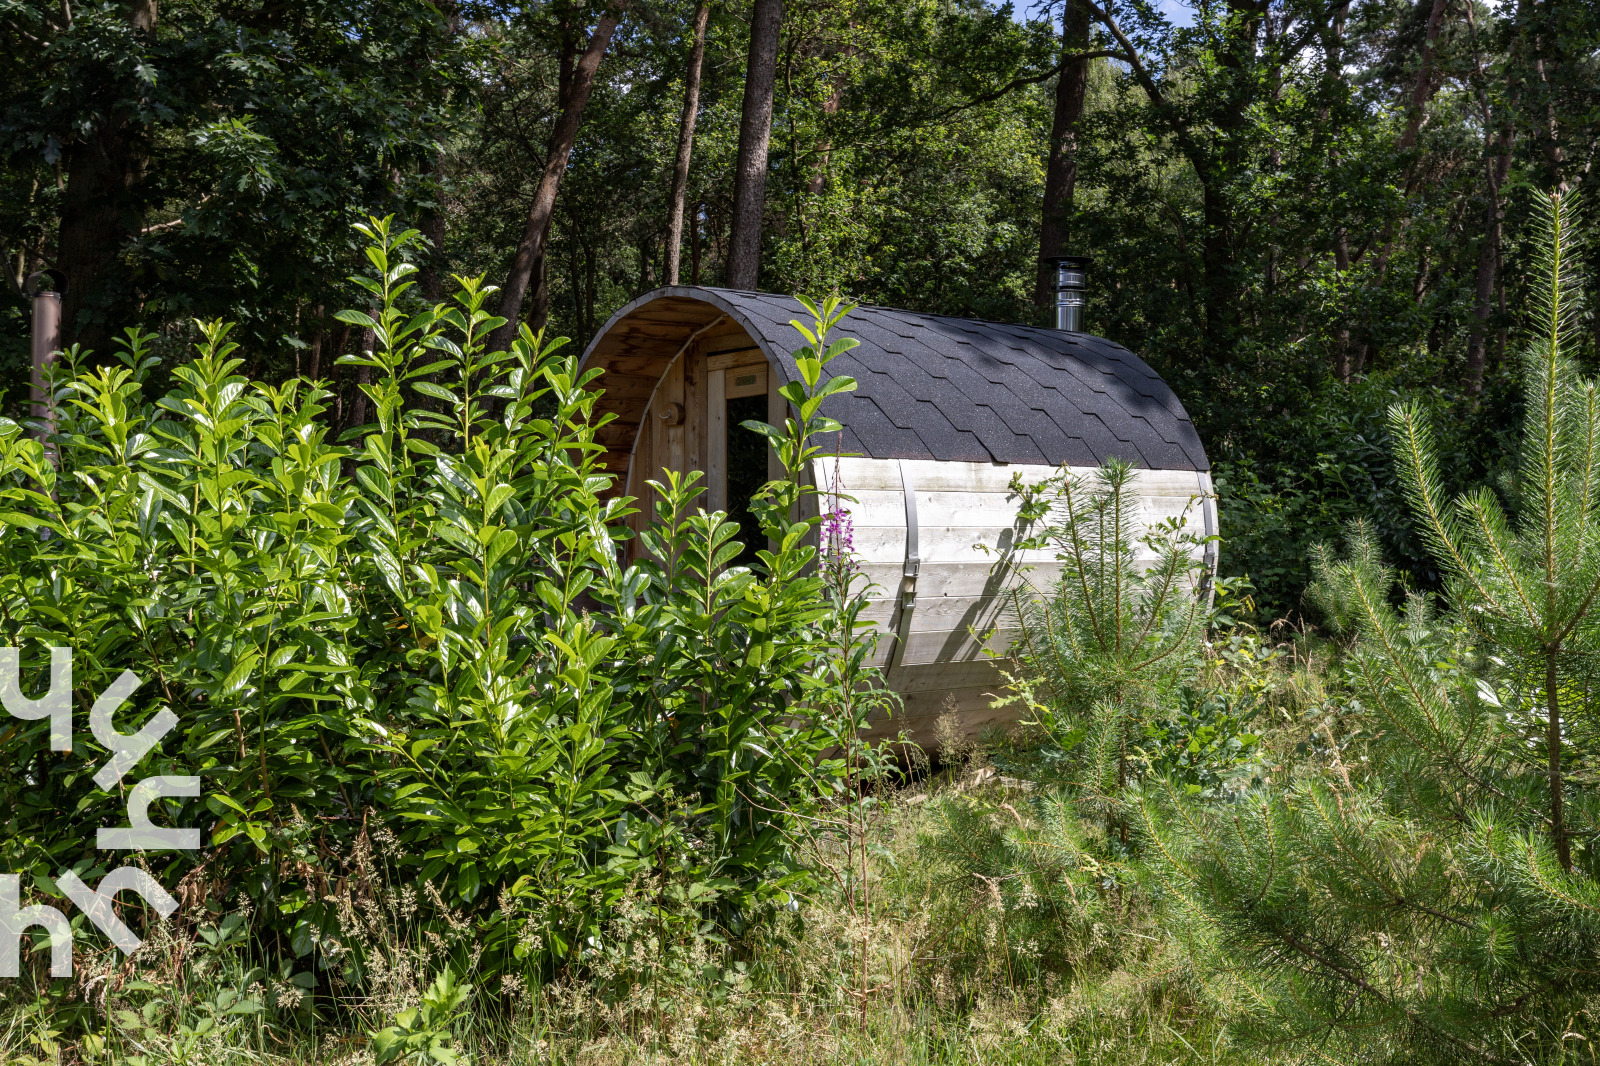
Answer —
(839, 563)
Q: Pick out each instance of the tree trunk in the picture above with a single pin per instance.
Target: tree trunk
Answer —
(591, 257)
(1423, 88)
(680, 167)
(566, 68)
(1271, 26)
(335, 386)
(100, 214)
(1061, 171)
(430, 278)
(358, 398)
(575, 285)
(1496, 168)
(1238, 65)
(1333, 75)
(319, 340)
(531, 248)
(1364, 353)
(1500, 286)
(646, 275)
(694, 247)
(1552, 129)
(1530, 48)
(431, 273)
(755, 134)
(819, 173)
(1341, 329)
(97, 220)
(541, 283)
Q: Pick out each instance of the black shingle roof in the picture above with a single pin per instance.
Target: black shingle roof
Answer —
(957, 389)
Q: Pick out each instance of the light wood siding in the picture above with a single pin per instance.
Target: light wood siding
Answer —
(716, 440)
(694, 407)
(672, 450)
(967, 524)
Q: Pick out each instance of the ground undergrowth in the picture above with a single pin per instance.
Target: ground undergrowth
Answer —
(943, 985)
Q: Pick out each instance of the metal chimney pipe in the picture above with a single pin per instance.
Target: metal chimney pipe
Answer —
(46, 342)
(1071, 290)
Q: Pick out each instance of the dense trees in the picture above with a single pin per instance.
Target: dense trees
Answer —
(1291, 204)
(190, 159)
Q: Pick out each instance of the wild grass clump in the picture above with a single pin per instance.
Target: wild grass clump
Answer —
(672, 987)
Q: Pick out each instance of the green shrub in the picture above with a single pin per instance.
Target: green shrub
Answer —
(421, 637)
(1105, 649)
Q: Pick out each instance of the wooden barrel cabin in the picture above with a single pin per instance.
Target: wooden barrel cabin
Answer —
(946, 411)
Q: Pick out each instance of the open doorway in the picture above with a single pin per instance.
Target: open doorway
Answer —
(694, 421)
(740, 456)
(746, 469)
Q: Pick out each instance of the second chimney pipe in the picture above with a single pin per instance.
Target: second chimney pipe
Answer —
(1070, 289)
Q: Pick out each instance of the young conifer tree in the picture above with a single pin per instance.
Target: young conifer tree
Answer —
(1432, 894)
(1106, 643)
(1114, 636)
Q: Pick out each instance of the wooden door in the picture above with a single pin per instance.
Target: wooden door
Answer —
(738, 387)
(692, 423)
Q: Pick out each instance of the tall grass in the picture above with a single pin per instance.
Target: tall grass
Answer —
(943, 991)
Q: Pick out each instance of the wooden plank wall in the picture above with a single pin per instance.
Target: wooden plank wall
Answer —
(634, 354)
(966, 526)
(687, 445)
(964, 508)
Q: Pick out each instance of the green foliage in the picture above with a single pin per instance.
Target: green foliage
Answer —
(658, 988)
(1117, 632)
(1325, 461)
(216, 159)
(1203, 742)
(1436, 899)
(421, 1034)
(423, 635)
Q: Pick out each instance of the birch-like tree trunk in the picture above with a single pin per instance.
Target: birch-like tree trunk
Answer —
(680, 167)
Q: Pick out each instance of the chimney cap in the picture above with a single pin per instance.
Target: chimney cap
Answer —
(1078, 261)
(58, 283)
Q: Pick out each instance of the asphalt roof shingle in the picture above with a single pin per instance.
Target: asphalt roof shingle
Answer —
(965, 390)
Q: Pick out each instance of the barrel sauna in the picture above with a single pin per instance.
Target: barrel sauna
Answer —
(945, 413)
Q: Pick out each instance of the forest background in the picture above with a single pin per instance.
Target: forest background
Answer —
(1297, 209)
